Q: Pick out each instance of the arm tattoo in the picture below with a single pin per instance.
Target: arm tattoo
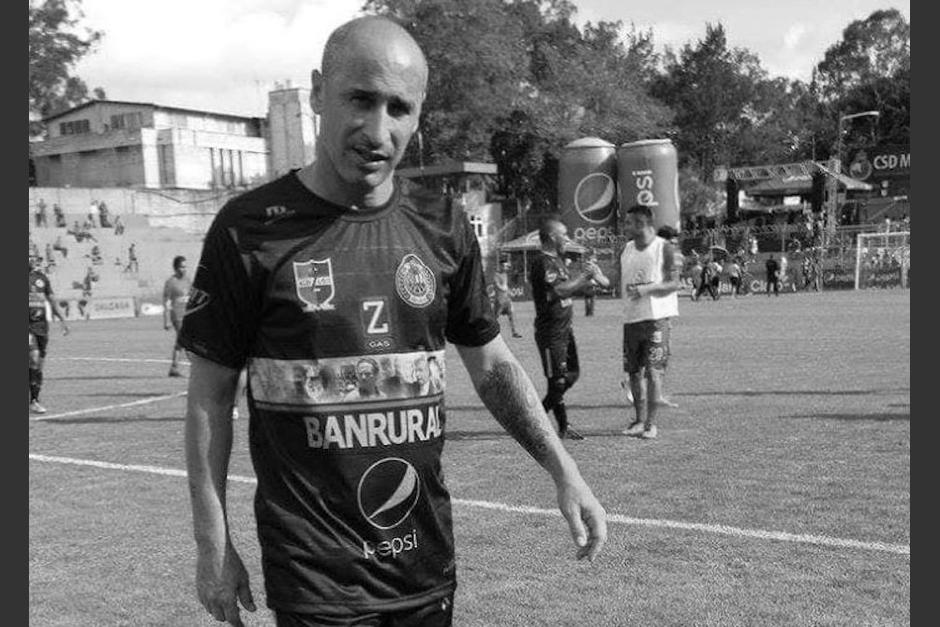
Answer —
(509, 396)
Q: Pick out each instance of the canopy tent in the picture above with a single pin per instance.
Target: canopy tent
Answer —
(802, 184)
(531, 242)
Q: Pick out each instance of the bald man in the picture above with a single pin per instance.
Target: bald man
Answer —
(353, 516)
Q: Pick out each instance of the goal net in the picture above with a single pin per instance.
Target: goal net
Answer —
(883, 260)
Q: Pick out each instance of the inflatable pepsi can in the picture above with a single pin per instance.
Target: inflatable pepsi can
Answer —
(648, 174)
(587, 189)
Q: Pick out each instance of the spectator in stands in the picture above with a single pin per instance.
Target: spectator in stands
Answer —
(92, 212)
(59, 215)
(96, 258)
(90, 277)
(118, 225)
(104, 218)
(50, 257)
(42, 218)
(77, 232)
(132, 264)
(59, 246)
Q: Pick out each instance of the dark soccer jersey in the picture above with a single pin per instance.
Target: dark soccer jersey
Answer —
(39, 289)
(351, 504)
(552, 312)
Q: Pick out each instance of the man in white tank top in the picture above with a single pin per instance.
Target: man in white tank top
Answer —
(649, 281)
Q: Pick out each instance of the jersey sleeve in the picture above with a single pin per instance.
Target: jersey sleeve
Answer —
(220, 319)
(470, 319)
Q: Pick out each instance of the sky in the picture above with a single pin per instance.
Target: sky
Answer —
(226, 55)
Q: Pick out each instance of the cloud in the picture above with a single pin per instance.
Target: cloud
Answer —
(793, 36)
(213, 54)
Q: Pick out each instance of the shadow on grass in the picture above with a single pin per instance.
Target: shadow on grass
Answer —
(750, 393)
(855, 417)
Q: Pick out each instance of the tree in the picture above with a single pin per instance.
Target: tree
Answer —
(56, 44)
(869, 69)
(875, 48)
(712, 90)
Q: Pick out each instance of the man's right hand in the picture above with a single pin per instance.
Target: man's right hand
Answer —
(221, 583)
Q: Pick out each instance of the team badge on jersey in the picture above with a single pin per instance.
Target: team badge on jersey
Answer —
(314, 282)
(39, 283)
(414, 281)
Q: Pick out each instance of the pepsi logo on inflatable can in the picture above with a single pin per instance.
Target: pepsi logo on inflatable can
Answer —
(648, 174)
(587, 189)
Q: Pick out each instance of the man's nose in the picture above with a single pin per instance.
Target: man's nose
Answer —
(376, 125)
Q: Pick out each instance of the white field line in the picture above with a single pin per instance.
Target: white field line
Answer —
(91, 410)
(900, 549)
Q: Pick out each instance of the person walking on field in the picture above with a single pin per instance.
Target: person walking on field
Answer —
(175, 295)
(552, 290)
(649, 281)
(353, 514)
(41, 297)
(502, 298)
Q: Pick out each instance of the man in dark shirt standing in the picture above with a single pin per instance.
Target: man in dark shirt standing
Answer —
(327, 268)
(552, 291)
(773, 275)
(40, 295)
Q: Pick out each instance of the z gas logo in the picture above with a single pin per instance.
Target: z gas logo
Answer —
(593, 198)
(388, 491)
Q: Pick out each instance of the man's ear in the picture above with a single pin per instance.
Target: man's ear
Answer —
(317, 84)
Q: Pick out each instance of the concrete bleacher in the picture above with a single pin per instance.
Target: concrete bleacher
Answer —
(155, 246)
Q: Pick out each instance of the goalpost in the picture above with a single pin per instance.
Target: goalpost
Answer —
(883, 260)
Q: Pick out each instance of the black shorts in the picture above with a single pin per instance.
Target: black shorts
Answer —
(437, 613)
(559, 354)
(38, 342)
(646, 345)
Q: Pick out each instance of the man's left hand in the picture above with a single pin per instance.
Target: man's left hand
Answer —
(586, 518)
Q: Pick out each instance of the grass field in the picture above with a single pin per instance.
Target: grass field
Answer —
(778, 493)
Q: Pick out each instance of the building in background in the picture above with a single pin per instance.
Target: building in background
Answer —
(107, 143)
(292, 129)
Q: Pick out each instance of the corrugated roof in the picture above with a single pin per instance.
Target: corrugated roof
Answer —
(151, 105)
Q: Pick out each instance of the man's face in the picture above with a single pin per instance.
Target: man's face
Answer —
(420, 371)
(369, 108)
(181, 269)
(365, 375)
(559, 235)
(638, 224)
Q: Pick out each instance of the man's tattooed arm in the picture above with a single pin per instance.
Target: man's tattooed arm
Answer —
(509, 395)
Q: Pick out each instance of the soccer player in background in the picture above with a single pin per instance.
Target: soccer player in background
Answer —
(353, 516)
(40, 297)
(553, 288)
(648, 285)
(175, 295)
(502, 301)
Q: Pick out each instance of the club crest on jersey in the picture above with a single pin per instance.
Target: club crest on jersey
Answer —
(414, 281)
(314, 282)
(39, 283)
